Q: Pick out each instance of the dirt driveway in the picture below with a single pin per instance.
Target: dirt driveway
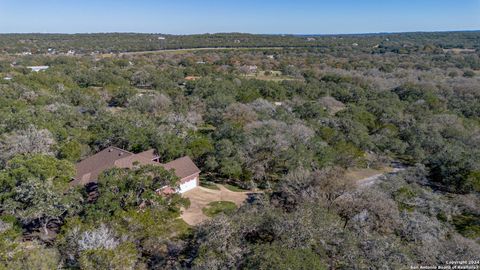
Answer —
(200, 197)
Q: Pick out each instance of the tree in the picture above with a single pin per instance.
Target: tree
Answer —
(34, 201)
(155, 104)
(141, 78)
(240, 114)
(267, 257)
(347, 155)
(199, 145)
(371, 209)
(125, 256)
(35, 190)
(28, 141)
(122, 190)
(331, 183)
(70, 151)
(121, 97)
(469, 74)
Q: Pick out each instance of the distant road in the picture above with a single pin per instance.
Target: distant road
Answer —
(203, 49)
(174, 51)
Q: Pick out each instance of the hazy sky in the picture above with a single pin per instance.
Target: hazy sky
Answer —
(253, 16)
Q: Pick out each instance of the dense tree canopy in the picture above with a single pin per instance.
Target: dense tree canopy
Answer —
(289, 116)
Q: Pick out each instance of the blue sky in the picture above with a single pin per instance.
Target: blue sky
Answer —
(252, 16)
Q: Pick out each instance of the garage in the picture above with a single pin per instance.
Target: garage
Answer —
(189, 185)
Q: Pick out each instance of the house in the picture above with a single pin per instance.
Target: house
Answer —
(38, 68)
(90, 168)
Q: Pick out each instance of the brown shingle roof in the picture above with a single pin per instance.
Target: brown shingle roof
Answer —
(149, 154)
(183, 167)
(90, 168)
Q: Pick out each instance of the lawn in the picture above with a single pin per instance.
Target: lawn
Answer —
(234, 188)
(214, 208)
(209, 185)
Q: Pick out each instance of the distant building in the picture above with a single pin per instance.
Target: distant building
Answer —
(355, 44)
(71, 52)
(26, 53)
(270, 56)
(192, 78)
(161, 38)
(311, 39)
(38, 68)
(7, 78)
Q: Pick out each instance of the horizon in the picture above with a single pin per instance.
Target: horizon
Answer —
(241, 33)
(187, 17)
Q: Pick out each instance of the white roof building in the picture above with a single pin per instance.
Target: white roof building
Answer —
(38, 68)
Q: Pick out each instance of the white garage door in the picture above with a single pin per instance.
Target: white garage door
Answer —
(188, 185)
